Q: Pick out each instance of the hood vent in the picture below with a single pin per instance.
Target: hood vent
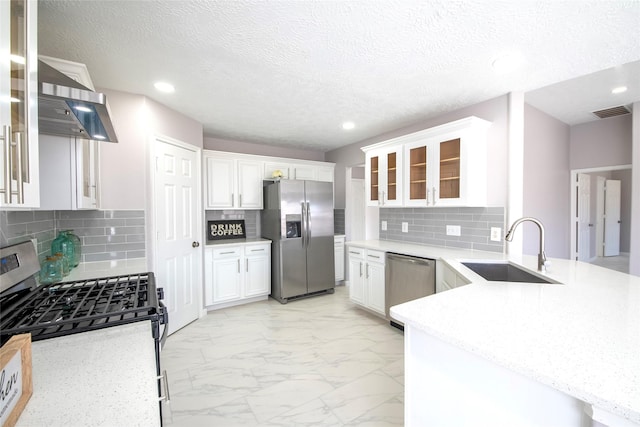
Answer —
(67, 108)
(612, 112)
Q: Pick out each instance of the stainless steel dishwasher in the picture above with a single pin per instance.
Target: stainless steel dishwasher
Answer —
(407, 278)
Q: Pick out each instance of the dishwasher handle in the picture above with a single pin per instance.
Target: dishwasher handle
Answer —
(410, 259)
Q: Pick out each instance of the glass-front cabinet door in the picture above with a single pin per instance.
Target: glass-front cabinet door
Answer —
(19, 180)
(418, 173)
(384, 173)
(372, 170)
(449, 164)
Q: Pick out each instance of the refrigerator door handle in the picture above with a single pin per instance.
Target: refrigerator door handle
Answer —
(303, 224)
(308, 224)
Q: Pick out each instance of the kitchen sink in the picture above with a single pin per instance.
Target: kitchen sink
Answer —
(504, 272)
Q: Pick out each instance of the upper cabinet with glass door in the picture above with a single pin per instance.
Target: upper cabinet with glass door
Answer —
(440, 166)
(19, 179)
(384, 177)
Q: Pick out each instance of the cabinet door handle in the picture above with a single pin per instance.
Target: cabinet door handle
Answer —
(433, 194)
(239, 200)
(19, 178)
(257, 250)
(246, 265)
(226, 253)
(238, 265)
(427, 197)
(165, 382)
(354, 252)
(367, 271)
(233, 199)
(6, 135)
(360, 268)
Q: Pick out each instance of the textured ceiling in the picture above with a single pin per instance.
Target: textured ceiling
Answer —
(290, 72)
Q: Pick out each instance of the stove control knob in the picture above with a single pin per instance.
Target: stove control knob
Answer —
(195, 244)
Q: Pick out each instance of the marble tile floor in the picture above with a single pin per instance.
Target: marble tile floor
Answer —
(618, 263)
(312, 362)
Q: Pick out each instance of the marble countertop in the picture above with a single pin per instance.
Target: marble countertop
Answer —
(91, 270)
(581, 337)
(248, 241)
(98, 378)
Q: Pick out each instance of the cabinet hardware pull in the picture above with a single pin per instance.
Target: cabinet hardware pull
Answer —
(433, 194)
(165, 382)
(195, 244)
(233, 199)
(238, 265)
(239, 200)
(360, 268)
(367, 271)
(246, 265)
(374, 256)
(354, 252)
(6, 132)
(427, 197)
(19, 177)
(257, 250)
(226, 253)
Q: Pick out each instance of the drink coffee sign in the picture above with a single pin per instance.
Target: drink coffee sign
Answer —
(226, 229)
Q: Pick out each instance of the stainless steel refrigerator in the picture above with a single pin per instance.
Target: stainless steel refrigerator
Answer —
(298, 218)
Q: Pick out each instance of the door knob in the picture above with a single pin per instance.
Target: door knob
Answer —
(195, 244)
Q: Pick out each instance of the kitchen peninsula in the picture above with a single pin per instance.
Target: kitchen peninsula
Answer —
(502, 353)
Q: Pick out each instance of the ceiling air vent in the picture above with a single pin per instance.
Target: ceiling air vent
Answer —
(612, 112)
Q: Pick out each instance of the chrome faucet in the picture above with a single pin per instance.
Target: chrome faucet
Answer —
(542, 258)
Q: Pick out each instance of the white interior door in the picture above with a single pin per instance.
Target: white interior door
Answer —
(600, 215)
(178, 251)
(583, 215)
(612, 218)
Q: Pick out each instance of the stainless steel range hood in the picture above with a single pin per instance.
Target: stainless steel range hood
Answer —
(67, 108)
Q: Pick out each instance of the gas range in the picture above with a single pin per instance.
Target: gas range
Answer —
(53, 310)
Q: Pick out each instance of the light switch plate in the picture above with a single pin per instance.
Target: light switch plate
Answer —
(496, 234)
(405, 227)
(384, 225)
(453, 230)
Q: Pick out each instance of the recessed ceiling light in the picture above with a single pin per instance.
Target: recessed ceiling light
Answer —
(507, 62)
(164, 87)
(82, 108)
(619, 89)
(348, 125)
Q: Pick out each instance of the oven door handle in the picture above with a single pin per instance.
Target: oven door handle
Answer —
(164, 321)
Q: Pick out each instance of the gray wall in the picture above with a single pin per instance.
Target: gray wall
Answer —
(251, 220)
(494, 110)
(261, 149)
(124, 166)
(605, 142)
(547, 194)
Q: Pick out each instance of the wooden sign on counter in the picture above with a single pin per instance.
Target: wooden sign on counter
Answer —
(16, 383)
(226, 229)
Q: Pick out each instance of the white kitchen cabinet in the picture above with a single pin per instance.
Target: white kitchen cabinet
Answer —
(237, 273)
(68, 173)
(19, 157)
(338, 242)
(448, 278)
(367, 279)
(232, 183)
(383, 170)
(441, 166)
(292, 169)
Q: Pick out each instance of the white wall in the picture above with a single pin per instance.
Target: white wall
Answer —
(546, 189)
(261, 149)
(634, 251)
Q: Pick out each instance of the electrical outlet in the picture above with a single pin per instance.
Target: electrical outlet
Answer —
(405, 227)
(384, 226)
(496, 234)
(453, 230)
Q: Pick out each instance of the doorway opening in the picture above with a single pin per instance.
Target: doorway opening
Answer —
(601, 216)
